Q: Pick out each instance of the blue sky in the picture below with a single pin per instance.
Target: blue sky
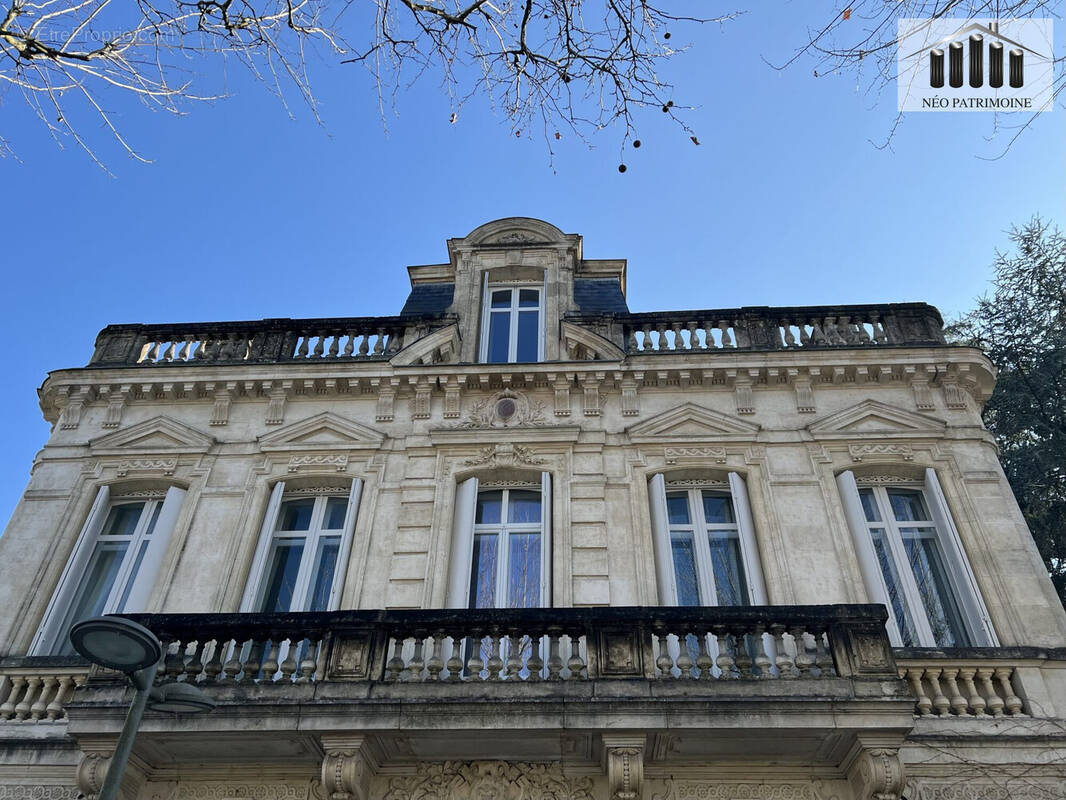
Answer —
(246, 213)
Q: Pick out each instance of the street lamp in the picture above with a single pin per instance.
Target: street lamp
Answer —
(123, 645)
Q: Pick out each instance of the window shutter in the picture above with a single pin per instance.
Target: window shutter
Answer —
(266, 532)
(459, 561)
(864, 549)
(546, 540)
(354, 496)
(977, 618)
(660, 531)
(44, 640)
(749, 547)
(145, 579)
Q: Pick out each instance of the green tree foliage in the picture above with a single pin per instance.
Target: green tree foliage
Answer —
(1022, 328)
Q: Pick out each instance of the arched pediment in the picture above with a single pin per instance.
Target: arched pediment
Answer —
(690, 422)
(584, 345)
(515, 230)
(439, 347)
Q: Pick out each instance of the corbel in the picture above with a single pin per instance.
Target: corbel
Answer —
(422, 403)
(590, 405)
(742, 388)
(623, 757)
(954, 394)
(801, 383)
(223, 398)
(278, 393)
(919, 380)
(75, 404)
(874, 769)
(630, 398)
(348, 764)
(561, 385)
(386, 399)
(453, 396)
(116, 403)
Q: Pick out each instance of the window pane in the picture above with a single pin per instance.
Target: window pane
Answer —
(488, 508)
(296, 514)
(869, 505)
(523, 507)
(499, 337)
(677, 509)
(528, 298)
(528, 330)
(122, 520)
(501, 298)
(729, 582)
(336, 508)
(155, 518)
(94, 590)
(718, 508)
(926, 563)
(688, 592)
(523, 584)
(281, 575)
(322, 577)
(133, 577)
(899, 608)
(907, 506)
(483, 572)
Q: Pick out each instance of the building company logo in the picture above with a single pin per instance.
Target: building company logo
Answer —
(975, 65)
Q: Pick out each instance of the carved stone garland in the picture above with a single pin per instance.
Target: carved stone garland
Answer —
(489, 780)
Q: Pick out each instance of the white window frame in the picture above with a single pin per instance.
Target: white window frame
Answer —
(137, 587)
(513, 311)
(962, 584)
(256, 586)
(464, 530)
(749, 553)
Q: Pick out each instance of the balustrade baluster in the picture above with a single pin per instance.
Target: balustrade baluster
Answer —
(289, 666)
(534, 664)
(335, 345)
(741, 655)
(576, 664)
(152, 354)
(183, 353)
(7, 709)
(66, 687)
(555, 661)
(995, 702)
(727, 338)
(48, 683)
(685, 661)
(455, 660)
(789, 337)
(1013, 702)
(379, 344)
(168, 354)
(514, 655)
(645, 342)
(417, 662)
(271, 662)
(976, 702)
(196, 663)
(940, 702)
(213, 667)
(880, 337)
(823, 657)
(786, 665)
(301, 351)
(233, 667)
(762, 658)
(664, 662)
(864, 335)
(394, 667)
(475, 664)
(676, 339)
(495, 662)
(349, 344)
(22, 710)
(309, 662)
(805, 336)
(804, 660)
(634, 345)
(253, 661)
(174, 661)
(435, 663)
(922, 702)
(955, 698)
(726, 660)
(364, 345)
(704, 662)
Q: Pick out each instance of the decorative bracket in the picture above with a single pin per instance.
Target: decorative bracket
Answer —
(875, 770)
(624, 760)
(346, 767)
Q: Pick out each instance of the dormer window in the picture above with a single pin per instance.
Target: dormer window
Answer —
(512, 327)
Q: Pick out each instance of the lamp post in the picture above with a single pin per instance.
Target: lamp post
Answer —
(123, 645)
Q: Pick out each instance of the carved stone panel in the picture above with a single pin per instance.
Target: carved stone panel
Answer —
(489, 780)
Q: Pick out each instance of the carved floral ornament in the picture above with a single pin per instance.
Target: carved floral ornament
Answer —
(504, 455)
(505, 409)
(701, 790)
(489, 780)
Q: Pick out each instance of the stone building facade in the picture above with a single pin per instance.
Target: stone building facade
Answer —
(519, 542)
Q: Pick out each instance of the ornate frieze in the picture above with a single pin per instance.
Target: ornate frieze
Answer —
(860, 451)
(708, 790)
(489, 780)
(969, 789)
(506, 408)
(504, 455)
(148, 466)
(676, 455)
(245, 791)
(338, 461)
(38, 791)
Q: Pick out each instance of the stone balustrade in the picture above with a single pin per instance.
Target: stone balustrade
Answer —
(969, 685)
(37, 689)
(770, 328)
(256, 341)
(489, 645)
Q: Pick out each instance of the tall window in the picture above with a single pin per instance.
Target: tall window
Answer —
(705, 548)
(304, 545)
(705, 544)
(913, 562)
(501, 545)
(512, 324)
(114, 565)
(507, 549)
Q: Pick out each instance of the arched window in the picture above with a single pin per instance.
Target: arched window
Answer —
(512, 317)
(912, 559)
(501, 543)
(115, 561)
(303, 549)
(704, 538)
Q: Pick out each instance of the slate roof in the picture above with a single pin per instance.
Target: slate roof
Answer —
(599, 295)
(428, 299)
